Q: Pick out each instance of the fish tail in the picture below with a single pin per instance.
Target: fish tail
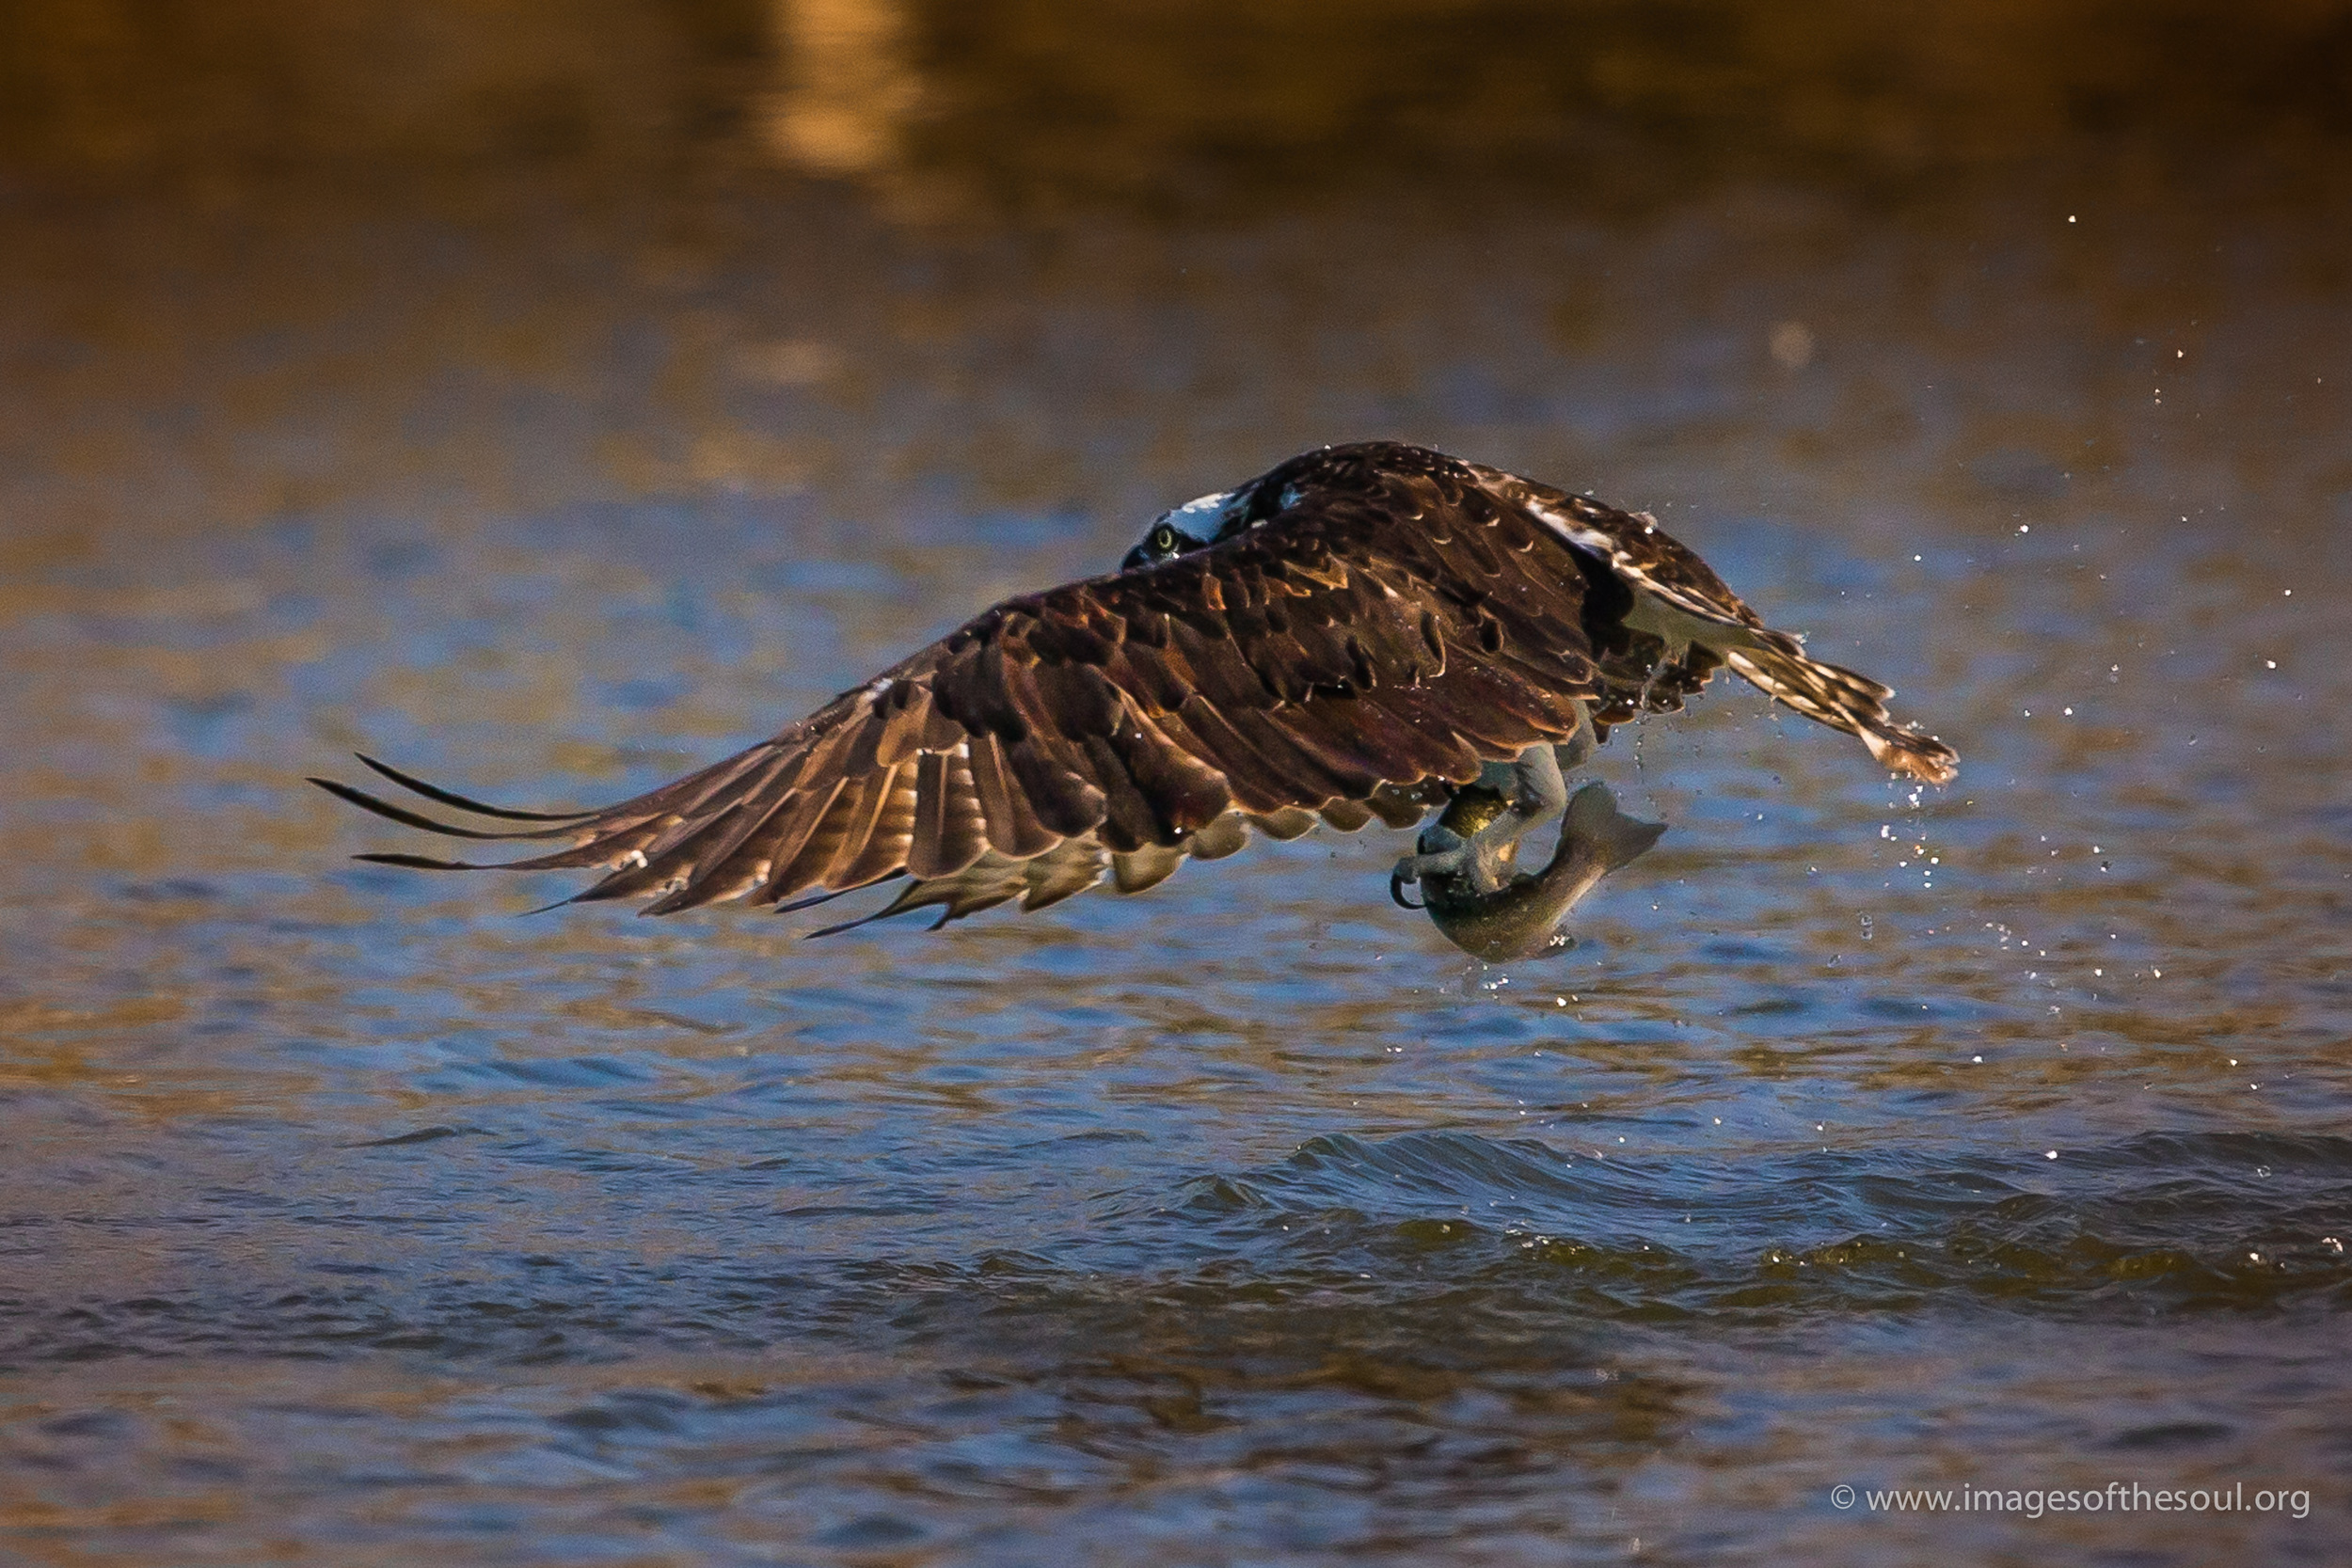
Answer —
(1618, 839)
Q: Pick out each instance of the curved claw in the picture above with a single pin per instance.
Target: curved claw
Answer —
(1396, 889)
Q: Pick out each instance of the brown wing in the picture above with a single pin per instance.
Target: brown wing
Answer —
(1079, 863)
(1344, 655)
(1645, 555)
(1649, 561)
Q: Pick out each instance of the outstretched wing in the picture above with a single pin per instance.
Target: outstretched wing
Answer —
(1334, 663)
(1679, 599)
(1075, 864)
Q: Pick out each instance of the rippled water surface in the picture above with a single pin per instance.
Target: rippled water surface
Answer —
(1993, 1137)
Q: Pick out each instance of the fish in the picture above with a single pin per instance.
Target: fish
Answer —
(1522, 920)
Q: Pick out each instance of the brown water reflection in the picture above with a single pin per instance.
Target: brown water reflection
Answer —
(546, 397)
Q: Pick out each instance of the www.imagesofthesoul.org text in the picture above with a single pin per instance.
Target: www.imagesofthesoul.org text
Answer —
(2117, 1496)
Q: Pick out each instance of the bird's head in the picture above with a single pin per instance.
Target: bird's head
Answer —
(1194, 526)
(1198, 524)
(1322, 475)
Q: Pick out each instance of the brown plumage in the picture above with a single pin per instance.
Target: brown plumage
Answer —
(1362, 628)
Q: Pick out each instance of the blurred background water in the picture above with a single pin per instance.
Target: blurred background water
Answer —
(546, 397)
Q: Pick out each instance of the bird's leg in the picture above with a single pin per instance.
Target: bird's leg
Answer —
(1536, 794)
(1575, 751)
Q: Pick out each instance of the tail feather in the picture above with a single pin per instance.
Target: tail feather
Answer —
(1844, 700)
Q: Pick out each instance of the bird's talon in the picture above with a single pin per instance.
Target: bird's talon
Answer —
(1397, 880)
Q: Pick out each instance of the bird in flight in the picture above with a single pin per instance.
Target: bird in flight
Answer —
(1353, 636)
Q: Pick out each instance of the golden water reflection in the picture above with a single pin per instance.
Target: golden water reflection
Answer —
(848, 85)
(1198, 101)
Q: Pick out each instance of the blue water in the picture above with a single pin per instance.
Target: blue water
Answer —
(1996, 1136)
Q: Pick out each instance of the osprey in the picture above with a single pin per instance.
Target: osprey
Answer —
(1350, 637)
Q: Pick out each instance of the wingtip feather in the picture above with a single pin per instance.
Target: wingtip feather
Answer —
(451, 798)
(425, 863)
(401, 815)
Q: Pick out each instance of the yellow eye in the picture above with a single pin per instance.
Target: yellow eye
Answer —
(1163, 538)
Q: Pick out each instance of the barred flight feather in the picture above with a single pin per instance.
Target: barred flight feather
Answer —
(1375, 622)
